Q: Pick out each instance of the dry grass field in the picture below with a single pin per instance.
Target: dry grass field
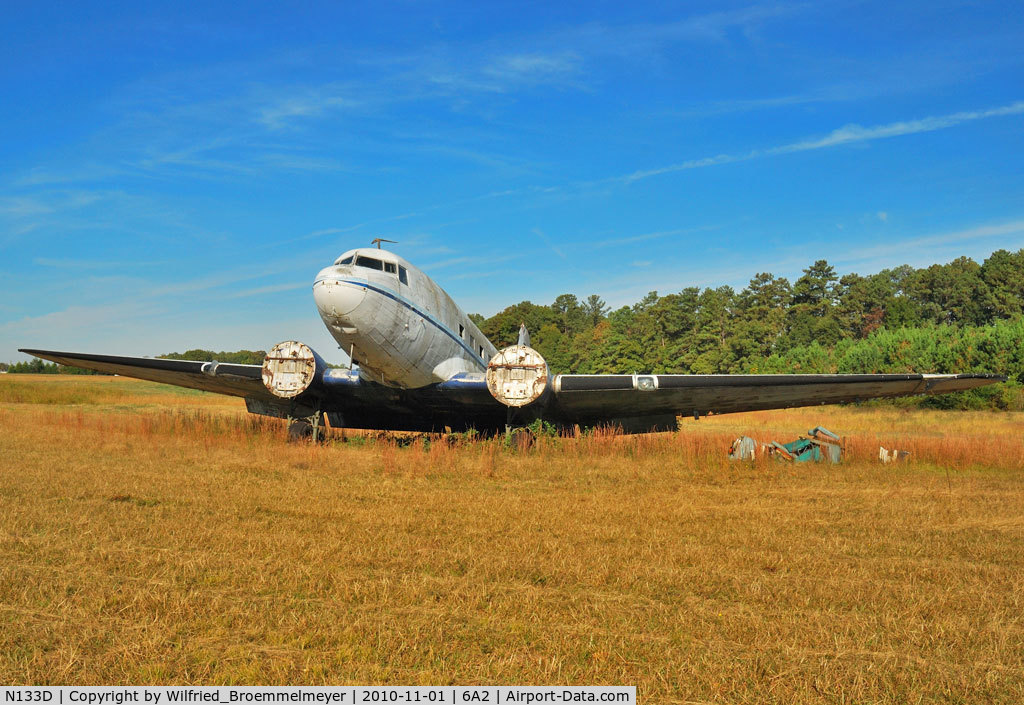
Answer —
(152, 535)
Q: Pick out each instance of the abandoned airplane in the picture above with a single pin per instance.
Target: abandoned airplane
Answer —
(420, 364)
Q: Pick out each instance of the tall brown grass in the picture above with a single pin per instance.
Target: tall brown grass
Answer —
(143, 543)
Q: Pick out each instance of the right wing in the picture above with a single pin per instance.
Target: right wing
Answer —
(348, 399)
(218, 377)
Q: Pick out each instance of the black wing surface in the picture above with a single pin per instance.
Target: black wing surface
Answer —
(649, 402)
(218, 377)
(347, 399)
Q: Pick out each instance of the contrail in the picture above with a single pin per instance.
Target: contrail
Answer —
(844, 135)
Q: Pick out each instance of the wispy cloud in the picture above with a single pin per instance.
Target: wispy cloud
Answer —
(533, 68)
(48, 202)
(115, 315)
(923, 247)
(857, 133)
(547, 241)
(41, 176)
(22, 206)
(472, 261)
(657, 235)
(272, 289)
(848, 134)
(90, 264)
(315, 102)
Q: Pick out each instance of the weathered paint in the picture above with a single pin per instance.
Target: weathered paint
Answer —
(517, 376)
(289, 369)
(404, 334)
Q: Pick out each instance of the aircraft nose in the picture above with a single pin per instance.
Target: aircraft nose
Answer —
(337, 298)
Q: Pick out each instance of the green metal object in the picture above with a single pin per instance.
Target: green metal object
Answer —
(820, 444)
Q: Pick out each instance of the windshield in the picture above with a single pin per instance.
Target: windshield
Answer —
(369, 263)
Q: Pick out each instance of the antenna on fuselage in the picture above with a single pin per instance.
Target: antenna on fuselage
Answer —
(377, 240)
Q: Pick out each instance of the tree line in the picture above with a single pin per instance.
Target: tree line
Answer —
(35, 366)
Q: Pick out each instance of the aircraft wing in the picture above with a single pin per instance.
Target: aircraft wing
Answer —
(635, 403)
(218, 377)
(648, 402)
(348, 399)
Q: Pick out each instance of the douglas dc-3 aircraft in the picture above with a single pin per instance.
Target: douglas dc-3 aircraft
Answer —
(420, 364)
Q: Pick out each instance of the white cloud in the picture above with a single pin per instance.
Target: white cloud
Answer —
(90, 264)
(856, 133)
(922, 250)
(848, 134)
(273, 289)
(532, 68)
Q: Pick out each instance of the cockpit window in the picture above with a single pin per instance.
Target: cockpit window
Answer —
(345, 260)
(389, 267)
(402, 276)
(369, 263)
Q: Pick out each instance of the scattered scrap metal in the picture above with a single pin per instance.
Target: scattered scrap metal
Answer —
(892, 456)
(819, 444)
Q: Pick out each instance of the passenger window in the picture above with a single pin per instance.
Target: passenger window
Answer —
(481, 351)
(389, 267)
(462, 329)
(472, 342)
(402, 277)
(369, 263)
(347, 260)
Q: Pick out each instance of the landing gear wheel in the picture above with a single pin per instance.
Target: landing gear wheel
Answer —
(299, 430)
(520, 439)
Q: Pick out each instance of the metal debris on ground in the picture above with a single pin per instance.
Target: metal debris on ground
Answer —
(819, 444)
(892, 456)
(743, 448)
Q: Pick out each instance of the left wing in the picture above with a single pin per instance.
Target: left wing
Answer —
(648, 402)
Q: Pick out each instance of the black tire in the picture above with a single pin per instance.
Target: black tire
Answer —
(300, 430)
(521, 439)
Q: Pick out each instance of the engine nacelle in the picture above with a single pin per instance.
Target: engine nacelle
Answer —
(517, 375)
(290, 368)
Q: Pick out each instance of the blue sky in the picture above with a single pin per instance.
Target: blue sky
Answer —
(172, 175)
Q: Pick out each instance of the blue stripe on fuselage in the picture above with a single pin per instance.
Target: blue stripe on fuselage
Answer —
(426, 316)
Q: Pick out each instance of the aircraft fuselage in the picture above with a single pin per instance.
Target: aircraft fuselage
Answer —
(397, 324)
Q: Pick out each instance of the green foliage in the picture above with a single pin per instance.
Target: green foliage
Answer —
(542, 429)
(35, 366)
(239, 357)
